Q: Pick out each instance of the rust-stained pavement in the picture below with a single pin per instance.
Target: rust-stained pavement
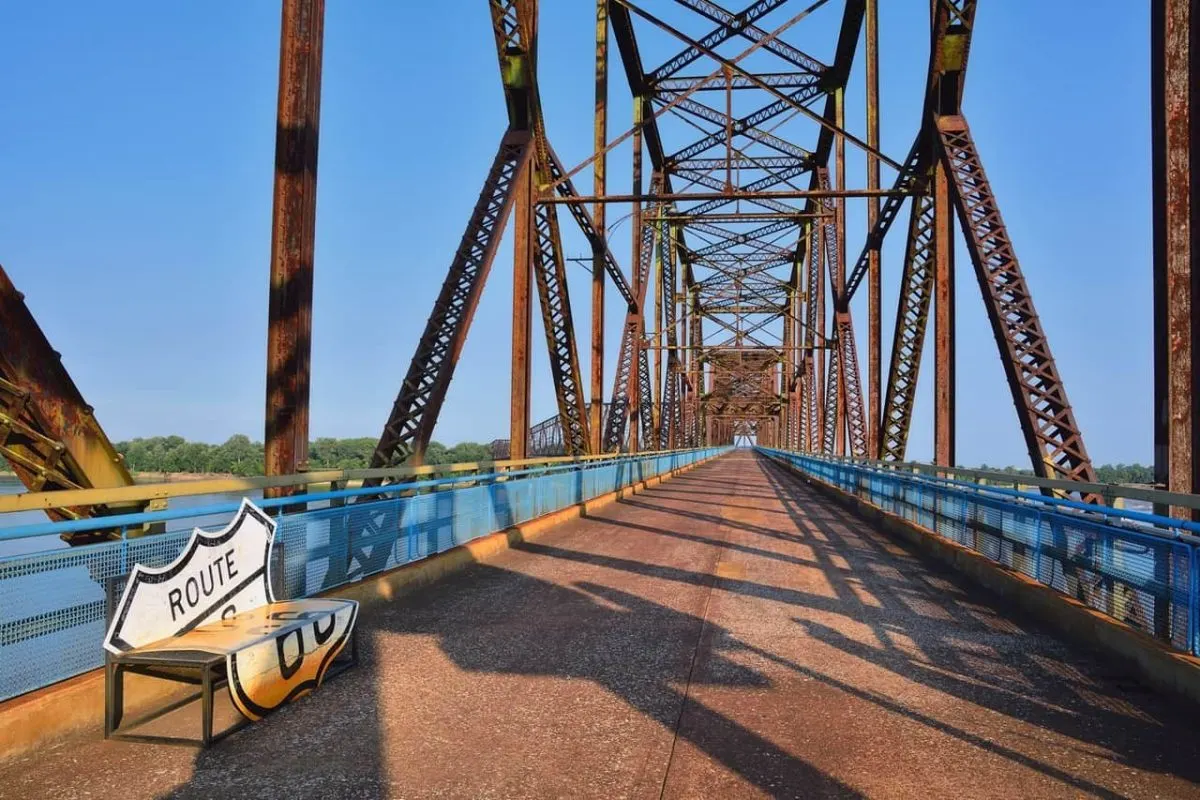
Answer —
(727, 634)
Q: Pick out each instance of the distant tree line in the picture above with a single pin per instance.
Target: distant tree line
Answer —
(1106, 473)
(238, 455)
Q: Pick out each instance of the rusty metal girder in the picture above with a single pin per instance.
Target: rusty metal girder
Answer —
(908, 341)
(48, 434)
(729, 27)
(1176, 127)
(565, 188)
(814, 326)
(848, 385)
(293, 241)
(670, 411)
(648, 433)
(742, 24)
(631, 333)
(415, 411)
(1054, 440)
(908, 180)
(747, 126)
(829, 429)
(851, 386)
(558, 325)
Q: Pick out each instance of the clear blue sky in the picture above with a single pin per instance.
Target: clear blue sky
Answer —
(136, 195)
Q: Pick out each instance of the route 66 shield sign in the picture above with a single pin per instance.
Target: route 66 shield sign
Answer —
(216, 576)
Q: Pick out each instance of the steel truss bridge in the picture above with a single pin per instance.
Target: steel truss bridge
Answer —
(739, 282)
(767, 624)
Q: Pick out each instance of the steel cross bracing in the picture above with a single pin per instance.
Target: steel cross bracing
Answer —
(1048, 422)
(746, 137)
(916, 290)
(626, 383)
(410, 426)
(551, 275)
(670, 420)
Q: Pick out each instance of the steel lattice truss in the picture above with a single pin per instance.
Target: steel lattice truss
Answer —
(739, 301)
(740, 238)
(737, 297)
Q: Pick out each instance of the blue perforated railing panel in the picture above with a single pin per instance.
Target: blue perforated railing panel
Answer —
(52, 604)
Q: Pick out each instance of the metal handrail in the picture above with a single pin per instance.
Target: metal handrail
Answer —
(123, 521)
(1108, 491)
(67, 498)
(1185, 530)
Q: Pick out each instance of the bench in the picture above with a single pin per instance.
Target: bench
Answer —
(211, 618)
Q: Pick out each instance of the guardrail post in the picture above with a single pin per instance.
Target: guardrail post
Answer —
(1193, 602)
(1162, 598)
(1037, 547)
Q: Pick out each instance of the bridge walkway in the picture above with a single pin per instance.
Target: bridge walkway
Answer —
(730, 633)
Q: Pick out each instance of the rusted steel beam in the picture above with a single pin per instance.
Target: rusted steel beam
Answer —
(739, 24)
(48, 434)
(599, 187)
(293, 235)
(1174, 74)
(559, 328)
(740, 70)
(670, 197)
(524, 254)
(625, 383)
(668, 338)
(953, 26)
(414, 414)
(569, 196)
(1047, 420)
(640, 269)
(829, 429)
(874, 269)
(815, 371)
(944, 412)
(904, 185)
(838, 281)
(908, 340)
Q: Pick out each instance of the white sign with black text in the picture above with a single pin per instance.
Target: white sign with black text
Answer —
(216, 576)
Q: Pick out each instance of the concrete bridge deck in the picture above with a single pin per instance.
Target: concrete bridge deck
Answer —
(727, 634)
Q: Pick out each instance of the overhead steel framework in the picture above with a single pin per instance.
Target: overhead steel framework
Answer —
(738, 216)
(737, 294)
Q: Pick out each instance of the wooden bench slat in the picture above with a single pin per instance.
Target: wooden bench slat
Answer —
(245, 630)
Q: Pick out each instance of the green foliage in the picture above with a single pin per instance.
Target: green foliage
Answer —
(1125, 473)
(238, 455)
(1106, 473)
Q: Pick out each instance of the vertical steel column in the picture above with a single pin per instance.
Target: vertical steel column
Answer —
(696, 342)
(874, 275)
(657, 411)
(599, 187)
(635, 399)
(524, 249)
(293, 234)
(943, 320)
(786, 366)
(1176, 281)
(816, 291)
(839, 143)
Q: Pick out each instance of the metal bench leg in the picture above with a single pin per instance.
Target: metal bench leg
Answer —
(206, 707)
(114, 697)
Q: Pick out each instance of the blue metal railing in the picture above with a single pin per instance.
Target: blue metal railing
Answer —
(1140, 569)
(52, 602)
